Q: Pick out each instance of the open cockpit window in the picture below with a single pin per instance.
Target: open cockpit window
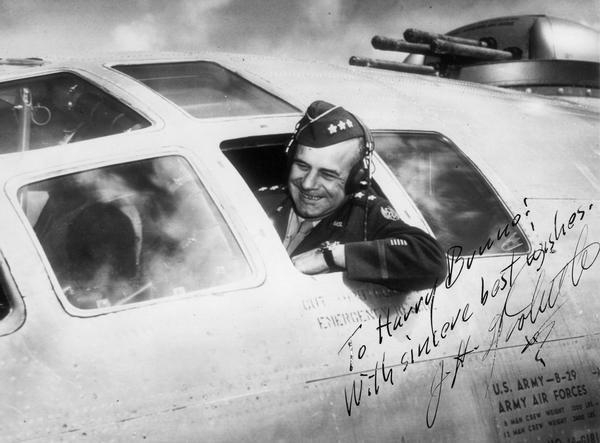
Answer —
(56, 109)
(262, 163)
(205, 89)
(133, 232)
(460, 206)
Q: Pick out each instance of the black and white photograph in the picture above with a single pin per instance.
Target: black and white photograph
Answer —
(300, 221)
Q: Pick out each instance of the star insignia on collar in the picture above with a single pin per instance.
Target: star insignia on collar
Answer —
(341, 125)
(332, 128)
(371, 197)
(349, 123)
(359, 195)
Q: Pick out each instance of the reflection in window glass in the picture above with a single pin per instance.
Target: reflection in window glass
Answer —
(58, 109)
(206, 89)
(132, 232)
(459, 205)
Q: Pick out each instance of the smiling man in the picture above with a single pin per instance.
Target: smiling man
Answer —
(332, 220)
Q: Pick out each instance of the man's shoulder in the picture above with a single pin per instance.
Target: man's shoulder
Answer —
(376, 206)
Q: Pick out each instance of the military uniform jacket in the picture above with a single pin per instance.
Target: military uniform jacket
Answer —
(394, 254)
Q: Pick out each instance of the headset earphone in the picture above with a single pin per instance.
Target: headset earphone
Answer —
(360, 174)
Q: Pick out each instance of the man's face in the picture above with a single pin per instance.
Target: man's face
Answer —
(318, 177)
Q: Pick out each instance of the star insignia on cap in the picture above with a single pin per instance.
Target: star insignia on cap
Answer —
(371, 197)
(341, 125)
(332, 128)
(349, 123)
(359, 195)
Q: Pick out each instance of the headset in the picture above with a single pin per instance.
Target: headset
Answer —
(360, 174)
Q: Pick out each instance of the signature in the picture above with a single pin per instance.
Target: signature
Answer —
(435, 389)
(516, 313)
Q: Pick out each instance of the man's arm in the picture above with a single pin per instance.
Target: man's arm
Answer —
(407, 261)
(396, 255)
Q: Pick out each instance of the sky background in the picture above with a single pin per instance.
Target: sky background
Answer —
(328, 30)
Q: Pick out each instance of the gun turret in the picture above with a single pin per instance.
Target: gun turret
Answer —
(440, 46)
(393, 44)
(417, 36)
(445, 47)
(535, 53)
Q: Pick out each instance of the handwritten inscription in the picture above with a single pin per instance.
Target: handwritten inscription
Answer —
(457, 264)
(526, 314)
(424, 347)
(374, 378)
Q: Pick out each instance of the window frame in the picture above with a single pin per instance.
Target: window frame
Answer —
(257, 274)
(445, 140)
(262, 88)
(85, 76)
(15, 318)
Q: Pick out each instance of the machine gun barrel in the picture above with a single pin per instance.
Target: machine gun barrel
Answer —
(392, 66)
(393, 44)
(445, 47)
(417, 36)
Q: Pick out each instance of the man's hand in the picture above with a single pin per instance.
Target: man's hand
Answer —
(310, 262)
(313, 262)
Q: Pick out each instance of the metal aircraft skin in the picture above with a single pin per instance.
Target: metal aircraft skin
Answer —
(506, 349)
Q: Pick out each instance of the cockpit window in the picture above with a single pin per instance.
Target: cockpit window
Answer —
(133, 232)
(460, 206)
(57, 109)
(205, 89)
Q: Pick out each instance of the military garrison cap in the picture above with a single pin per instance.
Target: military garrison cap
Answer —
(325, 124)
